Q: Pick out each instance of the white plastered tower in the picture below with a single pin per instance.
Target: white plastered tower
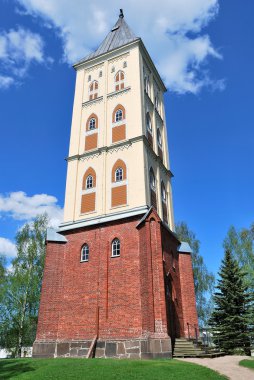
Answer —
(118, 123)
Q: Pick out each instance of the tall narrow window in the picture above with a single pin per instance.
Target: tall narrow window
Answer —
(147, 85)
(89, 182)
(119, 174)
(159, 138)
(119, 80)
(93, 90)
(116, 247)
(153, 189)
(152, 180)
(119, 115)
(88, 193)
(85, 253)
(164, 202)
(148, 123)
(163, 193)
(119, 184)
(157, 102)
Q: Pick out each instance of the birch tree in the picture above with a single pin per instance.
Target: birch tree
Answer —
(22, 287)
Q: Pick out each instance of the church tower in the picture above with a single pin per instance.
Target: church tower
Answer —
(118, 158)
(117, 280)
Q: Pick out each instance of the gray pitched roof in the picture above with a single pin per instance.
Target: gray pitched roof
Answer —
(120, 35)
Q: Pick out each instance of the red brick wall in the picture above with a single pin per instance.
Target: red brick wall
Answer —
(113, 284)
(172, 278)
(129, 290)
(188, 294)
(52, 294)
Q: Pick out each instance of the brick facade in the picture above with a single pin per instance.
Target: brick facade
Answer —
(136, 296)
(190, 318)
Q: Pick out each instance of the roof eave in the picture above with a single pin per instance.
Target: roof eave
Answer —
(89, 60)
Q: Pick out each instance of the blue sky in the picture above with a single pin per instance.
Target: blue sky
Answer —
(205, 54)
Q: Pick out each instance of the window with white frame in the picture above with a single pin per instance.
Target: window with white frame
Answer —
(92, 124)
(89, 182)
(125, 64)
(100, 74)
(148, 123)
(89, 78)
(85, 252)
(116, 248)
(152, 180)
(118, 175)
(119, 115)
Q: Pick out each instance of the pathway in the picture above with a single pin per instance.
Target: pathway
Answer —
(226, 365)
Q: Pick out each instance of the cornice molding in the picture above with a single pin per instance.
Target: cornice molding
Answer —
(102, 219)
(91, 102)
(115, 94)
(126, 144)
(119, 58)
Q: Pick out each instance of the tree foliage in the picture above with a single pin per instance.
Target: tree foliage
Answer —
(240, 244)
(231, 316)
(22, 287)
(203, 279)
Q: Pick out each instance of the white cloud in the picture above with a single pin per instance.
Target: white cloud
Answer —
(171, 30)
(7, 248)
(5, 81)
(19, 206)
(18, 50)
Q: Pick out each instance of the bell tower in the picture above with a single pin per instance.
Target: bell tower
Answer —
(117, 281)
(118, 156)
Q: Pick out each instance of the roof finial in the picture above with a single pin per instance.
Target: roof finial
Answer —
(121, 14)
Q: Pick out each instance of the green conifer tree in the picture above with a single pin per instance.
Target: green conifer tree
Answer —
(231, 315)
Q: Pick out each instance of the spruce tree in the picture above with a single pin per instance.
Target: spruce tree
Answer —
(231, 315)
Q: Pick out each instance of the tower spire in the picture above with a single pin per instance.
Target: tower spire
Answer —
(121, 15)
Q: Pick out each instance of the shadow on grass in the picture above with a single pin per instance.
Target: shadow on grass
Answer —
(10, 368)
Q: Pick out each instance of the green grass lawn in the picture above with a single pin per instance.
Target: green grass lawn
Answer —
(109, 369)
(247, 363)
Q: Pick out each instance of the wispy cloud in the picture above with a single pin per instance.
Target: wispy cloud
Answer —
(19, 49)
(171, 29)
(7, 247)
(19, 206)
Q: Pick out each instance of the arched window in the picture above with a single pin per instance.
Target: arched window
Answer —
(116, 247)
(93, 90)
(92, 124)
(85, 252)
(152, 180)
(163, 193)
(118, 175)
(148, 123)
(119, 115)
(89, 182)
(159, 138)
(147, 85)
(157, 101)
(119, 80)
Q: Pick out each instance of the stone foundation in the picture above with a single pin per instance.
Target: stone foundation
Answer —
(126, 349)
